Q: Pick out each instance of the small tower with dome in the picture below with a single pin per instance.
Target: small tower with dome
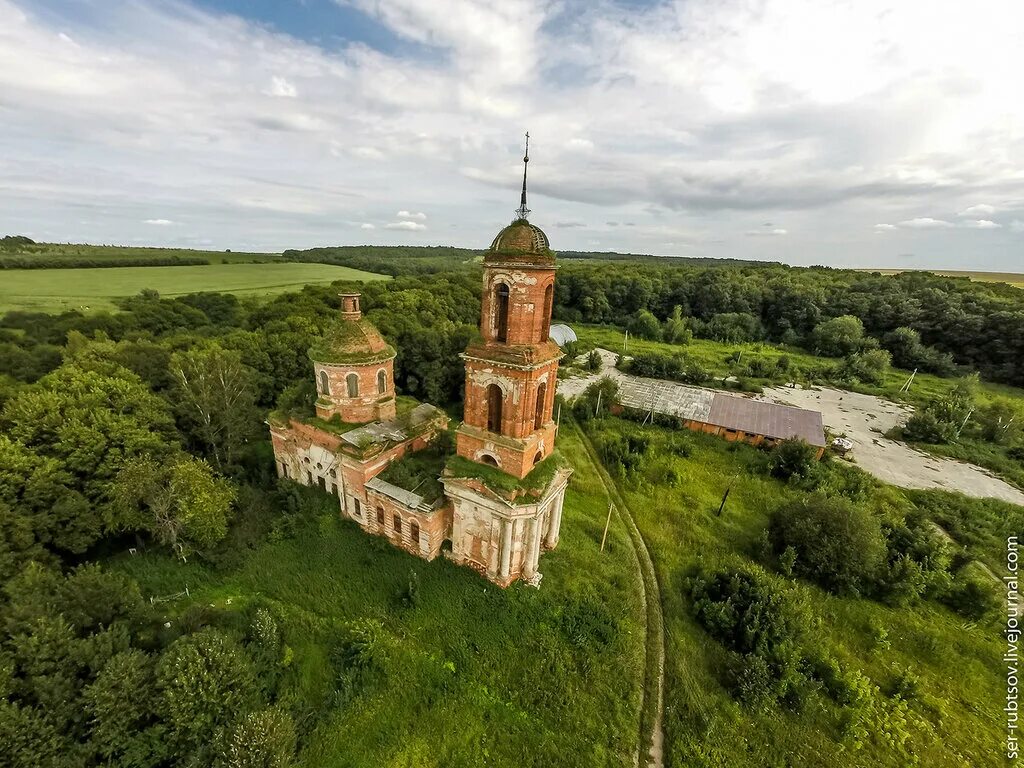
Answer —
(354, 369)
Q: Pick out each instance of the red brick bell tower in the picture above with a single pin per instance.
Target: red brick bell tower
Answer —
(511, 372)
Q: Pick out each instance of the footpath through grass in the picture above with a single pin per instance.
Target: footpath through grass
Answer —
(954, 717)
(465, 674)
(55, 290)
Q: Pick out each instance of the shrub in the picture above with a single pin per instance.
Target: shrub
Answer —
(792, 458)
(839, 337)
(973, 598)
(925, 427)
(594, 361)
(645, 325)
(759, 626)
(838, 544)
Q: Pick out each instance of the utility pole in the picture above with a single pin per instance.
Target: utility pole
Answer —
(625, 341)
(721, 507)
(598, 406)
(606, 523)
(906, 386)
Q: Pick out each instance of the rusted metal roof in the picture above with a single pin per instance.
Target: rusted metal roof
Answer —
(757, 417)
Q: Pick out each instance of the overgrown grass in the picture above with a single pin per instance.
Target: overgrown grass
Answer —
(467, 674)
(954, 719)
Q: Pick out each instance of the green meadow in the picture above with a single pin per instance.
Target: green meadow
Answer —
(56, 290)
(950, 719)
(467, 674)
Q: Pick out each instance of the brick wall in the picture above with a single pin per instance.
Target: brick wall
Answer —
(369, 405)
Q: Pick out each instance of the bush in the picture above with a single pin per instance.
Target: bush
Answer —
(792, 458)
(761, 628)
(838, 544)
(925, 427)
(645, 325)
(840, 336)
(973, 598)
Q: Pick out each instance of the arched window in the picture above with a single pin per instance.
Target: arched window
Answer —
(549, 294)
(380, 516)
(352, 380)
(325, 385)
(414, 532)
(538, 458)
(398, 526)
(494, 408)
(538, 417)
(486, 458)
(501, 312)
(382, 382)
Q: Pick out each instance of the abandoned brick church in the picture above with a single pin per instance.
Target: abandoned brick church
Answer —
(495, 505)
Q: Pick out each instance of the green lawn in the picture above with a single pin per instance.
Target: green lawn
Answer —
(471, 675)
(955, 718)
(53, 290)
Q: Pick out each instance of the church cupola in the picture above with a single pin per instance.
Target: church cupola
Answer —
(354, 368)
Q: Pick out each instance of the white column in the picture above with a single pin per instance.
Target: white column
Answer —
(556, 521)
(506, 548)
(533, 551)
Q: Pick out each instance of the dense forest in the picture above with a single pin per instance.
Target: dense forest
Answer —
(979, 326)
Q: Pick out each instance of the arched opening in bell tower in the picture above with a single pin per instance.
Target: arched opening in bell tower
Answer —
(538, 416)
(494, 396)
(501, 294)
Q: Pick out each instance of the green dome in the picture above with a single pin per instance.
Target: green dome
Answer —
(520, 241)
(352, 341)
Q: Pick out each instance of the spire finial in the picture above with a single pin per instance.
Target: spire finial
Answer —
(522, 211)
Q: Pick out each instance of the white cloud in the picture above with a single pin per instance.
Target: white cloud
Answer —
(410, 226)
(982, 209)
(766, 232)
(982, 224)
(367, 225)
(706, 118)
(279, 86)
(925, 222)
(414, 216)
(884, 227)
(158, 222)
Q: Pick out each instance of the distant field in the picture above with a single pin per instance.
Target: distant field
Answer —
(113, 253)
(50, 290)
(1013, 278)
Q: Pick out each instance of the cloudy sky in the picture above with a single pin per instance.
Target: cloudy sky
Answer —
(883, 133)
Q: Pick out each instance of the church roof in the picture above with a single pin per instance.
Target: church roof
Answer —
(352, 341)
(520, 241)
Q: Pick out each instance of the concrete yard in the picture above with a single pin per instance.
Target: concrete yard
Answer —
(865, 419)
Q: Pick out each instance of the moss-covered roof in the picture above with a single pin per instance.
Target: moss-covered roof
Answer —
(504, 485)
(521, 241)
(353, 342)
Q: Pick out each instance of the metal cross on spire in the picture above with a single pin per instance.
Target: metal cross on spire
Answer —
(522, 211)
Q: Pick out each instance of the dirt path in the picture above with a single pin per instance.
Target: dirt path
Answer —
(653, 707)
(865, 419)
